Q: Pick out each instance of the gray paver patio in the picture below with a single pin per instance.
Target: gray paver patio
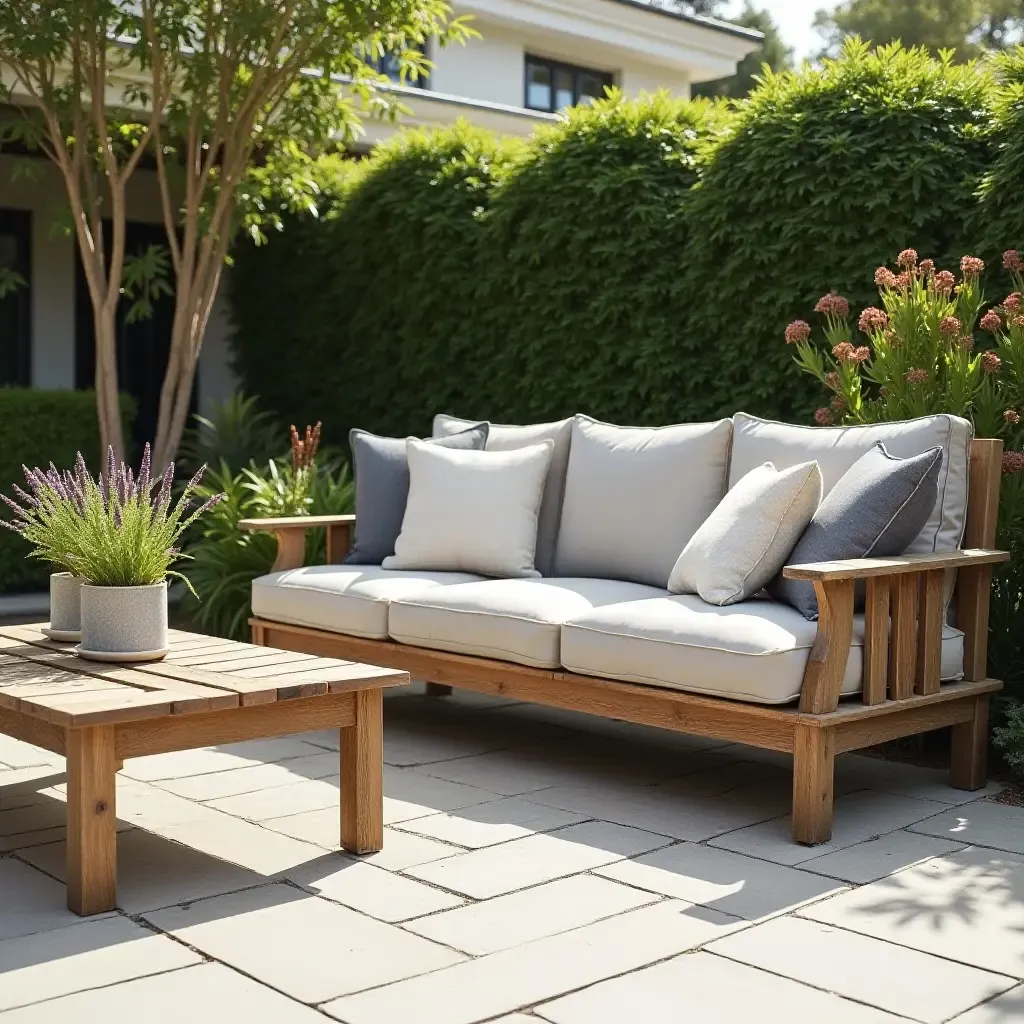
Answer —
(538, 866)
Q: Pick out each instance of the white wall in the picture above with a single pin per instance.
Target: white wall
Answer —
(491, 69)
(53, 277)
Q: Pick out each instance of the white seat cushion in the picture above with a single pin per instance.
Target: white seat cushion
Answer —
(350, 599)
(755, 651)
(512, 620)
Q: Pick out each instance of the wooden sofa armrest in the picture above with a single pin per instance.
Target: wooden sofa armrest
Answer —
(865, 568)
(903, 614)
(291, 536)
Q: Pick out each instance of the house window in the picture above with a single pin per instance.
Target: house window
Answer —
(553, 86)
(389, 65)
(15, 297)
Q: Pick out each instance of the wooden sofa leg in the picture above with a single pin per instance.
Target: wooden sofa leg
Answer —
(438, 690)
(969, 758)
(813, 768)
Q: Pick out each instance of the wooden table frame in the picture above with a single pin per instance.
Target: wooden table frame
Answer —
(97, 716)
(902, 694)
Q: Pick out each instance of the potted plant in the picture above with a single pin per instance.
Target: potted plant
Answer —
(119, 535)
(43, 520)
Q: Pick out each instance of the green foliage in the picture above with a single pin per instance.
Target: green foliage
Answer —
(1009, 737)
(38, 427)
(225, 561)
(967, 26)
(236, 432)
(1000, 214)
(827, 172)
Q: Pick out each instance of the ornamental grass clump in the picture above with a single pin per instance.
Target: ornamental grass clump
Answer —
(117, 531)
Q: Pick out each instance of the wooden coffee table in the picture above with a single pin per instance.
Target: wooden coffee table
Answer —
(207, 691)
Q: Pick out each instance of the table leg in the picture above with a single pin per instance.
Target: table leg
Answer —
(362, 775)
(92, 837)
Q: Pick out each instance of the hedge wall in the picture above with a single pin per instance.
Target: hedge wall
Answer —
(638, 262)
(38, 427)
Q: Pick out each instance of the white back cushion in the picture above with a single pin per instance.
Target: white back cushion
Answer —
(634, 496)
(472, 511)
(836, 449)
(504, 437)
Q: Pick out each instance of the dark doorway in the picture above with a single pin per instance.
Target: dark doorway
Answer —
(142, 346)
(16, 303)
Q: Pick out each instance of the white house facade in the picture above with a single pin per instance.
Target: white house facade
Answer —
(533, 59)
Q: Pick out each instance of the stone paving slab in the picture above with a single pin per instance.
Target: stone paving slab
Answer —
(538, 866)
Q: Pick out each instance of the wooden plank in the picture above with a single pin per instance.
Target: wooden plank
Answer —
(903, 636)
(876, 640)
(864, 568)
(931, 608)
(855, 712)
(826, 665)
(759, 725)
(901, 721)
(969, 752)
(104, 708)
(32, 730)
(185, 732)
(283, 660)
(272, 525)
(339, 541)
(92, 839)
(248, 691)
(362, 775)
(813, 775)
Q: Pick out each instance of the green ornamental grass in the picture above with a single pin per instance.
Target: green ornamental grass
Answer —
(117, 531)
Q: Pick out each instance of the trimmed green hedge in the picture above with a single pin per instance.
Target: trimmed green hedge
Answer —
(638, 261)
(37, 427)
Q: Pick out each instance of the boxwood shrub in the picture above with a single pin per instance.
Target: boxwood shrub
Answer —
(638, 261)
(38, 427)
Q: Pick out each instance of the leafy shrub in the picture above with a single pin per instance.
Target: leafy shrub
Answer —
(237, 432)
(828, 171)
(225, 561)
(37, 427)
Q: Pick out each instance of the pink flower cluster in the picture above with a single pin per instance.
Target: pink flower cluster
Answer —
(873, 319)
(926, 266)
(1013, 462)
(832, 380)
(949, 325)
(990, 362)
(907, 259)
(971, 266)
(917, 375)
(823, 418)
(944, 281)
(1013, 302)
(846, 353)
(833, 304)
(991, 321)
(798, 331)
(885, 278)
(1012, 417)
(1012, 260)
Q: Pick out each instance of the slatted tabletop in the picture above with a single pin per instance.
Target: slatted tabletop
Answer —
(46, 680)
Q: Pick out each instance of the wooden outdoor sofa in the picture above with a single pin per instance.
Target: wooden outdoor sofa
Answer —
(899, 691)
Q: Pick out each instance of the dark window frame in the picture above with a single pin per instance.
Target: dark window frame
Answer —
(379, 64)
(553, 66)
(19, 224)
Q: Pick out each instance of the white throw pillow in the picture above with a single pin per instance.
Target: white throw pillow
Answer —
(748, 537)
(472, 511)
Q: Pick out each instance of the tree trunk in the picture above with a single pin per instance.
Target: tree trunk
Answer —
(108, 406)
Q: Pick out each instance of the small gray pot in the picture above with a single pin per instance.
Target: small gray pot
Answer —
(124, 623)
(65, 608)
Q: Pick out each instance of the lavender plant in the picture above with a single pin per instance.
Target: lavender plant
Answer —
(117, 531)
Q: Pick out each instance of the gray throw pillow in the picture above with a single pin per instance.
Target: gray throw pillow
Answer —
(382, 488)
(875, 510)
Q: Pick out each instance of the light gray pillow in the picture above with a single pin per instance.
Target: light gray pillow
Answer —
(506, 437)
(472, 511)
(634, 496)
(381, 469)
(748, 537)
(875, 510)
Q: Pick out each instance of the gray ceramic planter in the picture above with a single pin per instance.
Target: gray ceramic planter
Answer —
(124, 623)
(65, 608)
